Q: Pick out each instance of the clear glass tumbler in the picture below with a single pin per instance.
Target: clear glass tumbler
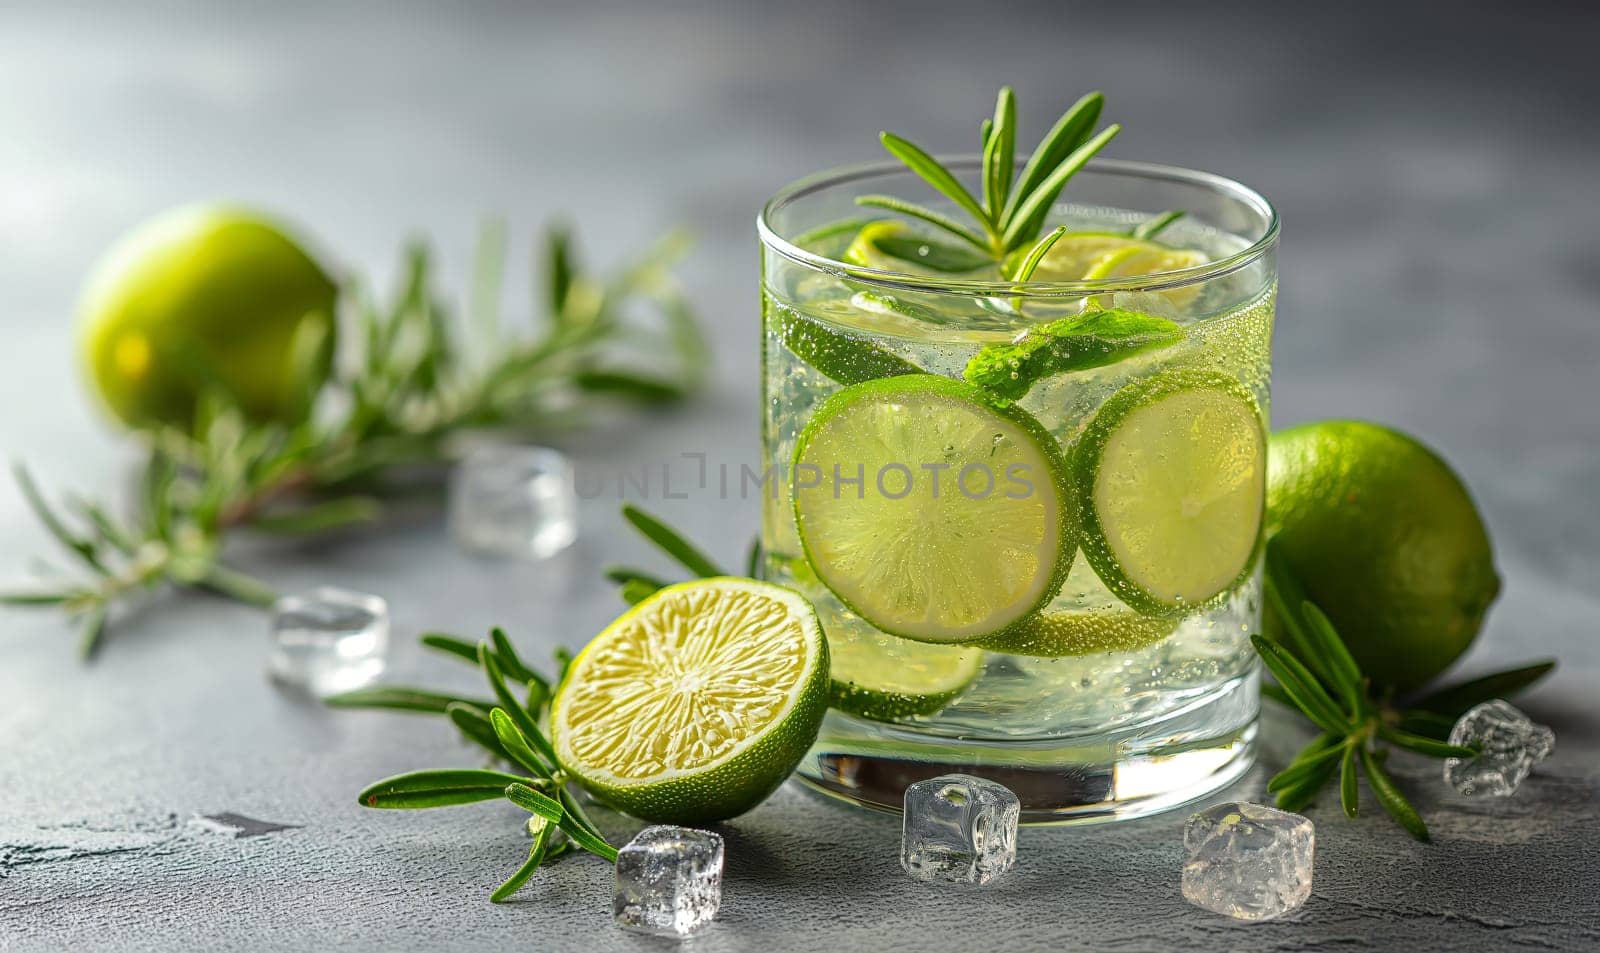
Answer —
(1069, 612)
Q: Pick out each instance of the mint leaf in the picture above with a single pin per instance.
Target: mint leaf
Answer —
(1077, 343)
(846, 358)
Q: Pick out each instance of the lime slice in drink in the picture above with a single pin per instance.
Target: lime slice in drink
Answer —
(1171, 475)
(1088, 632)
(894, 246)
(1088, 255)
(884, 678)
(931, 510)
(695, 704)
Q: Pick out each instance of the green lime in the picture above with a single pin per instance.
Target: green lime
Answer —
(1088, 632)
(1385, 539)
(1171, 475)
(695, 704)
(1088, 255)
(931, 510)
(884, 678)
(200, 296)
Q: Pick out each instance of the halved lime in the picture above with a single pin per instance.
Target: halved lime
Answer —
(1081, 255)
(1171, 476)
(695, 704)
(931, 510)
(1087, 632)
(884, 678)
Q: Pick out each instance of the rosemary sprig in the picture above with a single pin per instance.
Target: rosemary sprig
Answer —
(412, 380)
(1317, 676)
(508, 731)
(1013, 207)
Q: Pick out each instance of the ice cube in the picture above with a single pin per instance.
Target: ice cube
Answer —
(1509, 743)
(959, 829)
(1247, 861)
(668, 881)
(328, 640)
(514, 502)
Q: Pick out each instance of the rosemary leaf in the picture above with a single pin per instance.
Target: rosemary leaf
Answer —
(93, 630)
(1424, 745)
(319, 517)
(1152, 227)
(1069, 132)
(1454, 700)
(635, 591)
(402, 698)
(670, 542)
(438, 788)
(1331, 648)
(933, 173)
(511, 663)
(1024, 225)
(754, 560)
(1030, 261)
(1302, 687)
(1392, 800)
(515, 743)
(451, 645)
(1307, 763)
(998, 152)
(928, 215)
(519, 715)
(1297, 797)
(533, 802)
(622, 575)
(475, 726)
(536, 856)
(84, 549)
(1349, 792)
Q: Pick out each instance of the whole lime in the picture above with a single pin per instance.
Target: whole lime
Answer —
(1385, 539)
(203, 296)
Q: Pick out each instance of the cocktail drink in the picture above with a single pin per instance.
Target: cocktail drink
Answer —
(1015, 442)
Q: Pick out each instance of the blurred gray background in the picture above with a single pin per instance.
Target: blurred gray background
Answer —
(1434, 166)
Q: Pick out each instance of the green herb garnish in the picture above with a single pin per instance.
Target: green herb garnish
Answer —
(1011, 213)
(1076, 343)
(1317, 676)
(508, 730)
(415, 380)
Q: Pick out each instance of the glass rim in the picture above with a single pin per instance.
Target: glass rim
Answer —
(902, 281)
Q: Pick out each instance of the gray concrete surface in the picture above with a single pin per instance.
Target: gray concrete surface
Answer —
(1435, 171)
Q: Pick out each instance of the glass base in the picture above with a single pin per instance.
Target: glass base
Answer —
(1132, 771)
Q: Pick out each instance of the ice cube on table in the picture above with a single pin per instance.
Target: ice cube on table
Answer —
(1509, 744)
(959, 829)
(514, 502)
(668, 881)
(1247, 861)
(328, 640)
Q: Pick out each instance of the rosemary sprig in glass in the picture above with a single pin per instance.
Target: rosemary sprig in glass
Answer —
(1317, 676)
(412, 380)
(1010, 211)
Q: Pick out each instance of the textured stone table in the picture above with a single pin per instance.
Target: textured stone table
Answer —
(1436, 178)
